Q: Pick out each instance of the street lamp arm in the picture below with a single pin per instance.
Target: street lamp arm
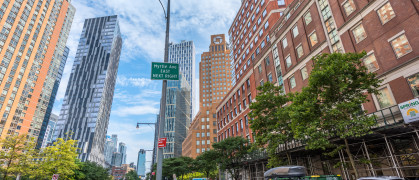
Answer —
(164, 10)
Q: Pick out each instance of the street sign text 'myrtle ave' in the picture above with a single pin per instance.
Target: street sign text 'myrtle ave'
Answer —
(164, 71)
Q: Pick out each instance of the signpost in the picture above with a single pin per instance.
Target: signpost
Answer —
(164, 71)
(55, 177)
(410, 110)
(162, 142)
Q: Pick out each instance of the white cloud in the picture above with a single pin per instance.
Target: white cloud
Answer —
(138, 82)
(135, 110)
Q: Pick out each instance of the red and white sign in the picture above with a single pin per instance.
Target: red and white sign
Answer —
(55, 177)
(162, 142)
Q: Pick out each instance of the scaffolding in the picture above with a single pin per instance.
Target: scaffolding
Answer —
(391, 150)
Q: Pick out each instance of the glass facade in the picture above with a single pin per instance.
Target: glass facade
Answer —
(184, 54)
(141, 163)
(178, 116)
(86, 108)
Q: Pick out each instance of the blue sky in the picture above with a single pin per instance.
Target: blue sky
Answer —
(142, 25)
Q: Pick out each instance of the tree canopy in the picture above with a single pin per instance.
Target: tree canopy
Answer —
(270, 121)
(231, 152)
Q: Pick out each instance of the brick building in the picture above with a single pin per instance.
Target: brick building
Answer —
(214, 83)
(249, 38)
(386, 30)
(118, 172)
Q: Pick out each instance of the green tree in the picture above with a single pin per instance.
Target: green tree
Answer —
(206, 162)
(60, 158)
(179, 166)
(271, 121)
(231, 152)
(17, 155)
(132, 175)
(329, 106)
(91, 171)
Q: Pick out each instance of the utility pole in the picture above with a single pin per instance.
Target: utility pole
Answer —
(163, 99)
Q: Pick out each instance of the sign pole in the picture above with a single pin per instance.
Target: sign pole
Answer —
(163, 99)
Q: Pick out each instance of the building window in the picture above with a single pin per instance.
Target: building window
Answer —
(414, 84)
(197, 134)
(300, 51)
(384, 98)
(267, 61)
(349, 7)
(270, 78)
(266, 24)
(203, 127)
(264, 13)
(284, 43)
(304, 73)
(307, 18)
(359, 33)
(197, 142)
(288, 61)
(292, 82)
(371, 63)
(313, 38)
(281, 2)
(261, 82)
(295, 31)
(386, 13)
(260, 68)
(401, 46)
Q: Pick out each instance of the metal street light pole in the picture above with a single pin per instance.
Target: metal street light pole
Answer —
(163, 99)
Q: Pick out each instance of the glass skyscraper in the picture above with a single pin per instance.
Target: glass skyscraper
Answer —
(178, 116)
(183, 53)
(86, 108)
(141, 163)
(123, 151)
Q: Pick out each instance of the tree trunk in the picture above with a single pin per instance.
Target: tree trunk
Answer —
(288, 154)
(351, 159)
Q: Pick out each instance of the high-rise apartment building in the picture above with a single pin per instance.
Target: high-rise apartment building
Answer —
(183, 53)
(386, 30)
(123, 151)
(249, 37)
(178, 116)
(109, 149)
(56, 84)
(32, 45)
(116, 159)
(86, 108)
(141, 163)
(214, 83)
(49, 133)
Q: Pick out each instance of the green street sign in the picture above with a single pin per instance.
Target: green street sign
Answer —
(164, 71)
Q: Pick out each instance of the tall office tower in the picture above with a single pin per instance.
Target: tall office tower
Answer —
(123, 151)
(116, 159)
(141, 163)
(109, 149)
(49, 131)
(56, 84)
(249, 39)
(87, 103)
(32, 40)
(178, 113)
(214, 83)
(114, 139)
(184, 54)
